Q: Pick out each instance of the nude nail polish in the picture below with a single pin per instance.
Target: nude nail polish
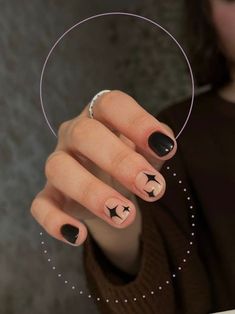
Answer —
(148, 184)
(117, 210)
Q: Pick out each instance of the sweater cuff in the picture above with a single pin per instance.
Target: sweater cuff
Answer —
(106, 282)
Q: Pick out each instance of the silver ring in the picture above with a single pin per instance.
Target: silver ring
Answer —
(91, 104)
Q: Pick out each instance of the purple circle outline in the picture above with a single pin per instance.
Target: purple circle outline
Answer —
(117, 13)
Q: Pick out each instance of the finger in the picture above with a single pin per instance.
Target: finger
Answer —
(119, 111)
(68, 176)
(156, 163)
(49, 214)
(96, 142)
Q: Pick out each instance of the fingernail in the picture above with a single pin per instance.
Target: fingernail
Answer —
(148, 184)
(160, 143)
(69, 232)
(117, 210)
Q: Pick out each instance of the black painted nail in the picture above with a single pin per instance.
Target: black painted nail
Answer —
(70, 232)
(160, 143)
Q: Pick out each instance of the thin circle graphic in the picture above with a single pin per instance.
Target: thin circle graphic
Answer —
(191, 205)
(117, 13)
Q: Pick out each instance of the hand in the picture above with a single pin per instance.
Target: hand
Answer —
(98, 164)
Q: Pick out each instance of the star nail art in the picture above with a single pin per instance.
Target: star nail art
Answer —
(116, 211)
(142, 184)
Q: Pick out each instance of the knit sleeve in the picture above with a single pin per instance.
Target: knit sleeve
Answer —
(113, 290)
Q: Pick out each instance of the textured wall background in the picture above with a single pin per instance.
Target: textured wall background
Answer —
(115, 53)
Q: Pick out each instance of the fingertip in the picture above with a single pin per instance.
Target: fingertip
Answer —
(73, 234)
(163, 146)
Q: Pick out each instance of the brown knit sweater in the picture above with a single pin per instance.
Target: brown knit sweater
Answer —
(188, 236)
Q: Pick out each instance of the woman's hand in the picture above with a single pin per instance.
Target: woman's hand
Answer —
(98, 164)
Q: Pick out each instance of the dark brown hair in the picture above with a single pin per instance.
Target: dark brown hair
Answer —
(208, 62)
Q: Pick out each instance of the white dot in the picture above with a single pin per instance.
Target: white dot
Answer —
(188, 198)
(81, 292)
(89, 296)
(49, 260)
(73, 287)
(42, 242)
(152, 292)
(179, 268)
(184, 260)
(45, 251)
(174, 174)
(107, 300)
(191, 243)
(193, 225)
(168, 167)
(191, 206)
(185, 190)
(40, 233)
(167, 282)
(166, 149)
(134, 299)
(59, 275)
(188, 252)
(173, 275)
(160, 288)
(65, 281)
(53, 267)
(192, 233)
(125, 300)
(192, 216)
(116, 301)
(143, 296)
(98, 299)
(180, 181)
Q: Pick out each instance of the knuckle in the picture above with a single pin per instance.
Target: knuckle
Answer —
(109, 98)
(118, 94)
(80, 128)
(119, 158)
(35, 205)
(123, 158)
(115, 93)
(52, 163)
(112, 94)
(61, 130)
(84, 192)
(142, 119)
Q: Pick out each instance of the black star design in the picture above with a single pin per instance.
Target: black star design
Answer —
(151, 177)
(126, 208)
(113, 212)
(150, 194)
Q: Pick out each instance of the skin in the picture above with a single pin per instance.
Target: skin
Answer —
(96, 159)
(223, 19)
(78, 166)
